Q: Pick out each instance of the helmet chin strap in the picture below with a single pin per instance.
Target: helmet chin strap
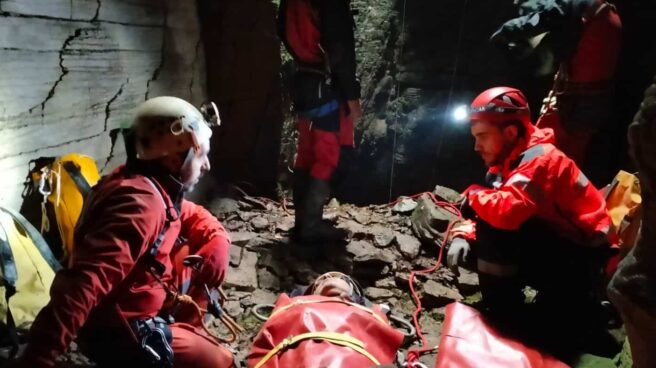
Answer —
(186, 164)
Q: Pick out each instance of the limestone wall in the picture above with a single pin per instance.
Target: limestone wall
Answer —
(73, 70)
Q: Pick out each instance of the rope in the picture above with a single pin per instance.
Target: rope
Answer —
(256, 311)
(456, 63)
(227, 321)
(282, 204)
(414, 354)
(397, 93)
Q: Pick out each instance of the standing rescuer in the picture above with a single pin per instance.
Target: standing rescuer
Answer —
(538, 222)
(122, 270)
(319, 36)
(585, 36)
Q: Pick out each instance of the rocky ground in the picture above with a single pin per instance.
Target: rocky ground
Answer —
(380, 254)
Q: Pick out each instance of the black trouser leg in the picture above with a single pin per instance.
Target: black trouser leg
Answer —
(299, 192)
(565, 275)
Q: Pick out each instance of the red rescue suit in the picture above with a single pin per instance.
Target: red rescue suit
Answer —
(108, 284)
(319, 35)
(540, 222)
(586, 37)
(538, 180)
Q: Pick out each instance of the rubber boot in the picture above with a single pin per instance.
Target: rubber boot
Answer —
(313, 228)
(299, 192)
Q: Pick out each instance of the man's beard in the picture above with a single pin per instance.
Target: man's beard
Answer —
(189, 187)
(508, 147)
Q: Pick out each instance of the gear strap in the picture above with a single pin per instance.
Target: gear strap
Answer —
(331, 337)
(154, 248)
(80, 182)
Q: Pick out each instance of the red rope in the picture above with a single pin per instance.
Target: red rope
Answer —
(414, 354)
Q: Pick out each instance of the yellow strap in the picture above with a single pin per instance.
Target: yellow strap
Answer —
(331, 337)
(332, 300)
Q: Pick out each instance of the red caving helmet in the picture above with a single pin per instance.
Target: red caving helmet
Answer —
(499, 105)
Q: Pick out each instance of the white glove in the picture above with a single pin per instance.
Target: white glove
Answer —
(458, 249)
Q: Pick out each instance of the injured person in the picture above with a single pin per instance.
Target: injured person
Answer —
(538, 223)
(328, 324)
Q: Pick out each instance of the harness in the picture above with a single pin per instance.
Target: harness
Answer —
(157, 269)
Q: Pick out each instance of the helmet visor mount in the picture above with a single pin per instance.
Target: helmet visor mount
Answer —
(210, 118)
(210, 113)
(492, 108)
(497, 114)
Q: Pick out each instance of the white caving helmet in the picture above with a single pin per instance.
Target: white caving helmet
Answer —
(166, 125)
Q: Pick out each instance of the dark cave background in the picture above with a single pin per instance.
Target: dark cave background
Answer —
(417, 60)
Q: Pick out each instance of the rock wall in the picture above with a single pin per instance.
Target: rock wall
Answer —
(73, 70)
(418, 60)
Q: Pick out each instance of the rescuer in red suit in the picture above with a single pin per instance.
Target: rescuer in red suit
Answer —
(116, 291)
(539, 222)
(319, 36)
(585, 36)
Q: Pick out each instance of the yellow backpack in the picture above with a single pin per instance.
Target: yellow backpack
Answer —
(27, 269)
(61, 184)
(624, 204)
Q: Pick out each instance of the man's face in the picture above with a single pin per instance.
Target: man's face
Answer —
(492, 142)
(334, 287)
(197, 165)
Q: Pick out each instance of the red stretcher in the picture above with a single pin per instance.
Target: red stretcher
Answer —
(469, 342)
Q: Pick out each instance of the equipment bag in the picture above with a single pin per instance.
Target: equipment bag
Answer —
(469, 342)
(624, 204)
(27, 268)
(315, 331)
(61, 184)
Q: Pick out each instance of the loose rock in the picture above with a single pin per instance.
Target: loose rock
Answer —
(381, 236)
(267, 280)
(404, 206)
(467, 281)
(241, 238)
(387, 283)
(263, 297)
(447, 194)
(377, 293)
(365, 252)
(429, 221)
(233, 308)
(260, 223)
(273, 263)
(437, 295)
(244, 277)
(409, 246)
(236, 253)
(285, 224)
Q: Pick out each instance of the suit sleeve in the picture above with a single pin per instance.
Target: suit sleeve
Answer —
(515, 201)
(101, 260)
(337, 38)
(207, 238)
(547, 16)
